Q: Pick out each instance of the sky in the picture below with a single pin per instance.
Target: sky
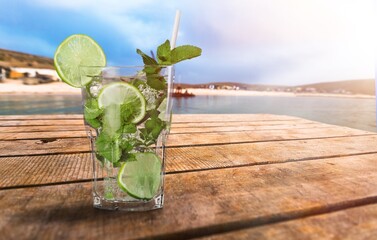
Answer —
(282, 42)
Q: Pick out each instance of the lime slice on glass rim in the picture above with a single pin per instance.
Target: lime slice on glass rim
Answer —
(121, 93)
(77, 50)
(141, 178)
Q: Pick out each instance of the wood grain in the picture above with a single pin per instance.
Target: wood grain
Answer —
(260, 127)
(17, 170)
(50, 128)
(179, 129)
(43, 122)
(353, 223)
(40, 116)
(220, 137)
(44, 135)
(44, 146)
(192, 158)
(176, 117)
(39, 170)
(219, 156)
(198, 203)
(216, 134)
(350, 145)
(244, 176)
(230, 117)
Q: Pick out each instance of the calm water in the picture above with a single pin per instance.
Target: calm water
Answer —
(355, 113)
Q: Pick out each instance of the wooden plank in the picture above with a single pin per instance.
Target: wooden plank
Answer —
(230, 117)
(39, 170)
(198, 203)
(208, 123)
(187, 139)
(240, 123)
(44, 135)
(38, 122)
(354, 223)
(44, 146)
(51, 128)
(215, 135)
(40, 116)
(176, 117)
(220, 156)
(190, 158)
(256, 142)
(178, 129)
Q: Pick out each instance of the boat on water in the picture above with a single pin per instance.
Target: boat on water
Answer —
(179, 93)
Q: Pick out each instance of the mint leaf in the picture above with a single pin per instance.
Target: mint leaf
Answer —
(129, 128)
(153, 113)
(184, 52)
(108, 147)
(91, 109)
(92, 112)
(154, 127)
(93, 122)
(128, 157)
(126, 145)
(137, 82)
(127, 112)
(146, 59)
(164, 53)
(156, 81)
(152, 69)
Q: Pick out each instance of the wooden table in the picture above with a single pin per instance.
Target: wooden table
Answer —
(228, 177)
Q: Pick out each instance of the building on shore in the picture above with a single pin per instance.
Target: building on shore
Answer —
(17, 72)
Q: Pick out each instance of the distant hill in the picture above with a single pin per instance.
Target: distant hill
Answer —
(17, 59)
(364, 86)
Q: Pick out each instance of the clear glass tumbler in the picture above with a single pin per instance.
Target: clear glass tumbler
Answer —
(127, 113)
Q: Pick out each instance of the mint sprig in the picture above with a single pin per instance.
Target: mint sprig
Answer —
(167, 56)
(117, 140)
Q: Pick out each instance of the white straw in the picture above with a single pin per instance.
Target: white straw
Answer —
(170, 68)
(175, 29)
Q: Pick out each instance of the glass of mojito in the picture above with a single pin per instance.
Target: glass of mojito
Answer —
(127, 112)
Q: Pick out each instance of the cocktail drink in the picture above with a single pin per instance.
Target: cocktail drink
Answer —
(127, 113)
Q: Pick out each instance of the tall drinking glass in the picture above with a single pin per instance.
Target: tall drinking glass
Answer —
(127, 112)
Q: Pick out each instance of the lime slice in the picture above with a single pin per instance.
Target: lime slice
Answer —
(74, 51)
(141, 178)
(125, 95)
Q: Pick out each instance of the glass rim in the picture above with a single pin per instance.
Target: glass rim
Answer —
(126, 66)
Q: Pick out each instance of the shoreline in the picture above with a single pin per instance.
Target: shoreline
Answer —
(16, 87)
(222, 92)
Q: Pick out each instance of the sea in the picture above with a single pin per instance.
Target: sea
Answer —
(359, 113)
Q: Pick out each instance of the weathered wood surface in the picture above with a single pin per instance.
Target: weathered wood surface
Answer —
(352, 223)
(198, 203)
(235, 176)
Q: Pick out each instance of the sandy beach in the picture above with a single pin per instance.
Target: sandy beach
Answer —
(17, 87)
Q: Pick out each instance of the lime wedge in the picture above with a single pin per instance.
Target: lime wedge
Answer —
(141, 178)
(128, 97)
(74, 51)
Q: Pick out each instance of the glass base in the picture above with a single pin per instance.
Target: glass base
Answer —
(130, 204)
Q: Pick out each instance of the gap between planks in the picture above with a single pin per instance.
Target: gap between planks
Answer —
(81, 145)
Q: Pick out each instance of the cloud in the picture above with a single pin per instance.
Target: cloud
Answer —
(123, 17)
(271, 41)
